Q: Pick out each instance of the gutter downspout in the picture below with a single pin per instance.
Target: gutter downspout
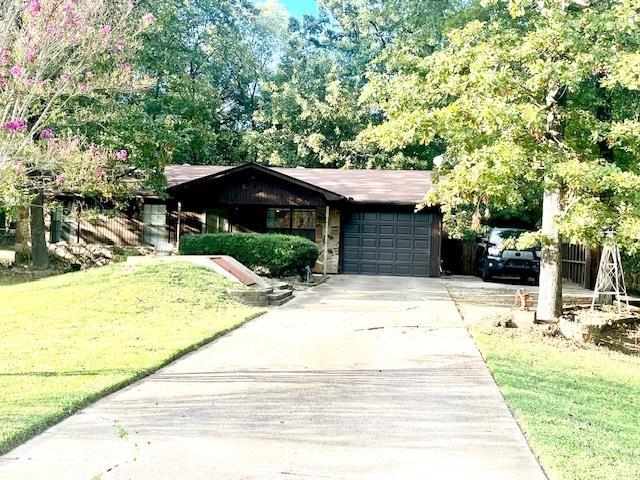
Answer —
(178, 227)
(326, 240)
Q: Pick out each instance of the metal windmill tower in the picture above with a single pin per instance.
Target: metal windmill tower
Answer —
(610, 282)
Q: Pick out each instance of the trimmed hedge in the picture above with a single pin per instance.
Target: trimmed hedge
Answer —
(278, 255)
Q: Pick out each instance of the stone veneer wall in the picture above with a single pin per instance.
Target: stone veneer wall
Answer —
(333, 252)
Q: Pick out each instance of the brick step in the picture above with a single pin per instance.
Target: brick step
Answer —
(279, 297)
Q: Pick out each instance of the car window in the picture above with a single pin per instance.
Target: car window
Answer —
(497, 236)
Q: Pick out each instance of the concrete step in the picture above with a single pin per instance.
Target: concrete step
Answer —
(277, 303)
(283, 286)
(279, 297)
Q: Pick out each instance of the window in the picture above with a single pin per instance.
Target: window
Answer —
(154, 217)
(304, 220)
(279, 219)
(217, 222)
(292, 222)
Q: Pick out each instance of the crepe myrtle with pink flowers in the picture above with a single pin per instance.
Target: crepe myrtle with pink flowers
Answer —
(51, 52)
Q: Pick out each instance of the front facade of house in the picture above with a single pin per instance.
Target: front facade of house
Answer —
(362, 220)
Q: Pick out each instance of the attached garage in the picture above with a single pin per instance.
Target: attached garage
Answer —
(391, 242)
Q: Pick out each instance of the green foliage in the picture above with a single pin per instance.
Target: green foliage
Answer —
(312, 112)
(534, 96)
(204, 61)
(227, 82)
(277, 254)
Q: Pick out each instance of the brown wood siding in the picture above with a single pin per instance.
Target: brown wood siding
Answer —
(247, 188)
(121, 228)
(190, 223)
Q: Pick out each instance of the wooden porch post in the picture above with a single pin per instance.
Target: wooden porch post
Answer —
(178, 226)
(326, 240)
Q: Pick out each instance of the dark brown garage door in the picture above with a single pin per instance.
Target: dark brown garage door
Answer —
(388, 243)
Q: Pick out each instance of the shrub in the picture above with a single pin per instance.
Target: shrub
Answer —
(277, 254)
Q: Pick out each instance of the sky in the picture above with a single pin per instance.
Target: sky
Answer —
(297, 8)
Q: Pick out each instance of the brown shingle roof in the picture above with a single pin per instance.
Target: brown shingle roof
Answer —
(406, 187)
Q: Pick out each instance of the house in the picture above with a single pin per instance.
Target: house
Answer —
(364, 221)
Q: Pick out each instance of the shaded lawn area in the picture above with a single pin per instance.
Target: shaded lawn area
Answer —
(580, 409)
(70, 339)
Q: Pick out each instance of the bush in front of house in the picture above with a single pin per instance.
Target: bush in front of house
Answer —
(279, 255)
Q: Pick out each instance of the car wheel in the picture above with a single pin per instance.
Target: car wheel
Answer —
(536, 280)
(486, 274)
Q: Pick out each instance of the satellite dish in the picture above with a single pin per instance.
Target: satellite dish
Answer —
(438, 161)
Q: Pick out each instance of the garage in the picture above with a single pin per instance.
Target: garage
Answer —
(388, 242)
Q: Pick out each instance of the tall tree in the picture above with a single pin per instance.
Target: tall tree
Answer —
(528, 101)
(51, 52)
(205, 60)
(312, 112)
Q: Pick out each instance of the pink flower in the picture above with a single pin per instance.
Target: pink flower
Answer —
(20, 167)
(98, 172)
(46, 134)
(17, 71)
(59, 179)
(148, 19)
(106, 30)
(15, 126)
(94, 150)
(5, 57)
(123, 154)
(34, 7)
(127, 66)
(31, 55)
(64, 77)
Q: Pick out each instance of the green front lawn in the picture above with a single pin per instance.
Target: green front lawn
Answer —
(70, 339)
(580, 408)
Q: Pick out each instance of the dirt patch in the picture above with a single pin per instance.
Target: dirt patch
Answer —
(490, 311)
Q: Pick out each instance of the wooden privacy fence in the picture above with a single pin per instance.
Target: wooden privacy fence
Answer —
(580, 264)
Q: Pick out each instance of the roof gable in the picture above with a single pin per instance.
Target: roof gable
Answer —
(221, 174)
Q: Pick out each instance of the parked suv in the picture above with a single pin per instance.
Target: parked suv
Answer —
(492, 259)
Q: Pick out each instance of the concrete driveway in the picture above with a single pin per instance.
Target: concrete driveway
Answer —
(360, 378)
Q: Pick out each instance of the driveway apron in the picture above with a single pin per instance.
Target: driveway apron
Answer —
(359, 378)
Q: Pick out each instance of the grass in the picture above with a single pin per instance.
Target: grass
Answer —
(579, 408)
(70, 339)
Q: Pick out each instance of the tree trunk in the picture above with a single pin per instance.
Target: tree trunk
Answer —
(39, 250)
(23, 236)
(550, 296)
